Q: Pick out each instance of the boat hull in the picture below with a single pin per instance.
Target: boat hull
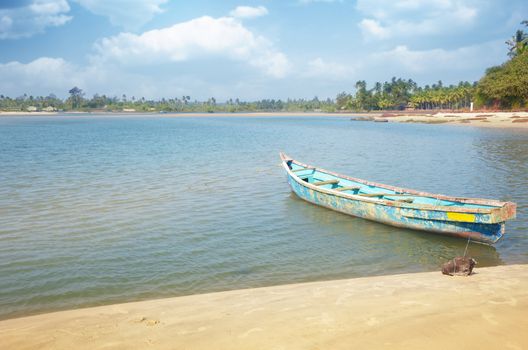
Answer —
(434, 221)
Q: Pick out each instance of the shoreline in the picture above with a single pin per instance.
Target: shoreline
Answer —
(192, 114)
(511, 120)
(508, 120)
(411, 311)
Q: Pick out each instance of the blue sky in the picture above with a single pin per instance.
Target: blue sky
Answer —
(246, 49)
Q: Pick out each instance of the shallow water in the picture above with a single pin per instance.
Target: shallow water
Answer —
(100, 210)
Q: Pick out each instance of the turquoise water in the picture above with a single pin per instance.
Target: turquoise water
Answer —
(100, 210)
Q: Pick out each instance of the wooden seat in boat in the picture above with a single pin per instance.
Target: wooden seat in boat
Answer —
(297, 170)
(348, 188)
(327, 182)
(405, 200)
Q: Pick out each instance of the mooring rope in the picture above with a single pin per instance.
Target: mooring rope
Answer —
(465, 252)
(467, 244)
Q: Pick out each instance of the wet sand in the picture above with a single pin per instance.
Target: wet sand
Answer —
(413, 311)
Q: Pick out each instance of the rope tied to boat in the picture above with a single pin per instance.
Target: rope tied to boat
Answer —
(465, 252)
(467, 244)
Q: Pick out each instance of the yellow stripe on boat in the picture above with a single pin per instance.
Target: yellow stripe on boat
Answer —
(461, 217)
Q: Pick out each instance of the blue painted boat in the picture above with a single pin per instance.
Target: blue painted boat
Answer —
(482, 220)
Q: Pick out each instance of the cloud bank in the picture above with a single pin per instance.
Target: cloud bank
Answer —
(32, 17)
(386, 19)
(201, 37)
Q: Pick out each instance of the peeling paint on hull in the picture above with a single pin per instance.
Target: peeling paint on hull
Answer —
(481, 226)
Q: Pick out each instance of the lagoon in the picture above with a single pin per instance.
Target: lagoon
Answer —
(98, 210)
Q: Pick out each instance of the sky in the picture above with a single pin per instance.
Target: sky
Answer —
(253, 49)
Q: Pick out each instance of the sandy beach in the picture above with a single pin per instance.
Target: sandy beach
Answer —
(413, 311)
(512, 120)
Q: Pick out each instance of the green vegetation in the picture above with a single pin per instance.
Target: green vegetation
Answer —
(502, 87)
(103, 103)
(506, 86)
(399, 94)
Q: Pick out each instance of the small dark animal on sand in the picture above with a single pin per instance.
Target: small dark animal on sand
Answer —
(460, 266)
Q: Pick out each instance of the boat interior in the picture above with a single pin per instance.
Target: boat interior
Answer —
(343, 185)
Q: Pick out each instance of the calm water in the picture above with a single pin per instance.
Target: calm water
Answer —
(99, 210)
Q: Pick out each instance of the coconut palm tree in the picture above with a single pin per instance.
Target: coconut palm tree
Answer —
(518, 43)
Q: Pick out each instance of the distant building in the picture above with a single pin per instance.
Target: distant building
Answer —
(129, 110)
(31, 109)
(49, 109)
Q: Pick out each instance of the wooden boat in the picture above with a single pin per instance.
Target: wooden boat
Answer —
(481, 220)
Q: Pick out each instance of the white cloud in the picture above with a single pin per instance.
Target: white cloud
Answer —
(466, 62)
(248, 12)
(44, 75)
(200, 38)
(319, 68)
(131, 14)
(371, 27)
(203, 57)
(387, 19)
(32, 18)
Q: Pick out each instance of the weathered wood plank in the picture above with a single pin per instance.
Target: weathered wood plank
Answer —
(349, 188)
(385, 194)
(405, 200)
(296, 170)
(327, 182)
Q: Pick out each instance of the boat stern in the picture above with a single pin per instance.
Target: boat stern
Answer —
(506, 212)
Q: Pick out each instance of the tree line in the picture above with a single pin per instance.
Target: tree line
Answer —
(501, 87)
(77, 102)
(399, 94)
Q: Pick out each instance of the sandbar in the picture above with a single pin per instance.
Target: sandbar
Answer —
(510, 120)
(411, 311)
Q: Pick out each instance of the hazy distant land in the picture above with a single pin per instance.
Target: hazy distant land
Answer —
(513, 120)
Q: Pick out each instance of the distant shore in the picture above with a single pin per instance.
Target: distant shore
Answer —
(512, 120)
(412, 311)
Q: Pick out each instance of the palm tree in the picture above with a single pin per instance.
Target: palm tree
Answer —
(518, 43)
